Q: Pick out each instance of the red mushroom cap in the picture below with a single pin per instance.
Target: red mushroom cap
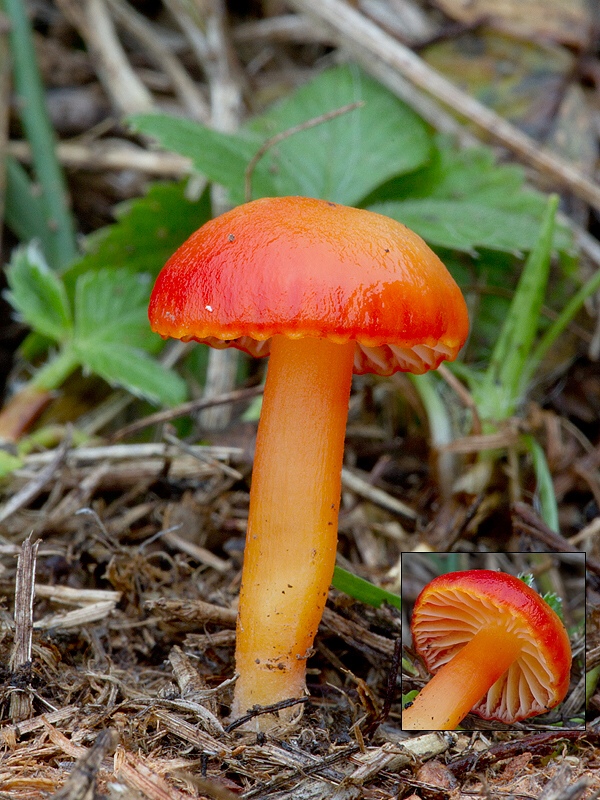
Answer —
(452, 608)
(303, 267)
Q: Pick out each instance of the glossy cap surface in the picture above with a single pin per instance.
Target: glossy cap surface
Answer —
(452, 608)
(303, 267)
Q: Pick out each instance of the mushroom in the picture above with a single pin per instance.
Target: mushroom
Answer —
(496, 648)
(325, 290)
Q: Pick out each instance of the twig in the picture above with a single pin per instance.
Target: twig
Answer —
(257, 711)
(282, 28)
(39, 131)
(464, 396)
(196, 611)
(203, 456)
(111, 154)
(364, 489)
(201, 554)
(205, 25)
(20, 659)
(279, 137)
(37, 484)
(143, 30)
(79, 456)
(136, 773)
(538, 744)
(371, 45)
(78, 618)
(526, 522)
(185, 409)
(318, 765)
(70, 596)
(390, 689)
(94, 24)
(81, 782)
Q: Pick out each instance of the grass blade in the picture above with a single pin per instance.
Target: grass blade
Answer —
(362, 590)
(503, 383)
(39, 132)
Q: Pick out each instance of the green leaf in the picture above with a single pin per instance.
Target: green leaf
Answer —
(38, 294)
(221, 157)
(147, 232)
(555, 602)
(345, 158)
(111, 307)
(467, 226)
(462, 199)
(112, 336)
(341, 159)
(363, 590)
(132, 369)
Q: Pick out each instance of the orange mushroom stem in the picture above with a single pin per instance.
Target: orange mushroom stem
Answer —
(292, 526)
(453, 691)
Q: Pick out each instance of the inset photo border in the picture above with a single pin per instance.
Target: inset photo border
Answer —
(498, 639)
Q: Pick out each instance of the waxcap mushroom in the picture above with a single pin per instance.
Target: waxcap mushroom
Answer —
(325, 291)
(453, 608)
(298, 266)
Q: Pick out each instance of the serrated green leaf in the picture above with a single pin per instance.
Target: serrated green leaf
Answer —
(468, 226)
(341, 159)
(555, 602)
(527, 578)
(132, 369)
(37, 294)
(345, 158)
(462, 199)
(148, 230)
(111, 307)
(221, 157)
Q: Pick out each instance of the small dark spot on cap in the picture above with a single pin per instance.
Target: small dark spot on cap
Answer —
(386, 250)
(231, 237)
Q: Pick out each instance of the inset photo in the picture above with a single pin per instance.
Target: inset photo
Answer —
(493, 641)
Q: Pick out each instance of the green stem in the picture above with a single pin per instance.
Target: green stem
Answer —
(55, 371)
(560, 323)
(591, 681)
(40, 135)
(24, 407)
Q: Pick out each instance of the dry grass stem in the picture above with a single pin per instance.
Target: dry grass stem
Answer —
(111, 154)
(185, 88)
(37, 483)
(20, 659)
(95, 26)
(354, 483)
(192, 407)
